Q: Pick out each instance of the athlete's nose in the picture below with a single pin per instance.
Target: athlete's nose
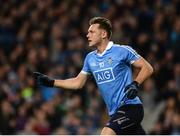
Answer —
(87, 35)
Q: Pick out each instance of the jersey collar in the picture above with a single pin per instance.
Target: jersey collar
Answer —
(110, 44)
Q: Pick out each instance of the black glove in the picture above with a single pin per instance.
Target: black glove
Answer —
(131, 90)
(44, 80)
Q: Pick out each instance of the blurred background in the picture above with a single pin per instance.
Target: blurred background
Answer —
(49, 36)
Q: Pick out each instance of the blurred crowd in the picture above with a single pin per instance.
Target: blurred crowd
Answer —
(49, 36)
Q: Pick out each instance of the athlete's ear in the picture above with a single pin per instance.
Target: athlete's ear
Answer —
(104, 34)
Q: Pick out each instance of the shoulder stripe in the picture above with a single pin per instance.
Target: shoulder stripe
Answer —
(131, 50)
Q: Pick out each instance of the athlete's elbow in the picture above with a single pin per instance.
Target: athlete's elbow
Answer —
(78, 86)
(151, 70)
(81, 85)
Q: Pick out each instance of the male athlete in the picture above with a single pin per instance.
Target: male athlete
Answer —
(110, 64)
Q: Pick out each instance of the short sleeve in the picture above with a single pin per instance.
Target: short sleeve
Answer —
(86, 68)
(130, 55)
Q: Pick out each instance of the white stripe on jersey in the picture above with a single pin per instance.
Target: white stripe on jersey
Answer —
(132, 51)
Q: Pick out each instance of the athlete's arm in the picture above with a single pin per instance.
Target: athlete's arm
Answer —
(72, 83)
(145, 70)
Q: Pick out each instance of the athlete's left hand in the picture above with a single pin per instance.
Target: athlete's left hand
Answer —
(131, 90)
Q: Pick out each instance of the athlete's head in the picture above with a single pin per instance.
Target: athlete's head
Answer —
(100, 28)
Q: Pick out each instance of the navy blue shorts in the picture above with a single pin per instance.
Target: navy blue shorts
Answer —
(127, 120)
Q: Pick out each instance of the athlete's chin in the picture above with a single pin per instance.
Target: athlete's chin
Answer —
(91, 44)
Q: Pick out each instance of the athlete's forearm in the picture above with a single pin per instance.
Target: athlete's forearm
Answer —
(72, 83)
(67, 84)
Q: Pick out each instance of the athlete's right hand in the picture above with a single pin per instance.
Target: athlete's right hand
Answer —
(44, 80)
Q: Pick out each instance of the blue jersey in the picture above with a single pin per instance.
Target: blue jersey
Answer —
(112, 72)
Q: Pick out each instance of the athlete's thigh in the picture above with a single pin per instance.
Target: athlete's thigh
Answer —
(107, 131)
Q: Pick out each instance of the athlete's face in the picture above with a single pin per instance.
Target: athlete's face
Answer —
(95, 35)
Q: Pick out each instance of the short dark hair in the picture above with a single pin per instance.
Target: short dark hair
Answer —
(104, 23)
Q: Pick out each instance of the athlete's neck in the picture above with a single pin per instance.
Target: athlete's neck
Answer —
(102, 46)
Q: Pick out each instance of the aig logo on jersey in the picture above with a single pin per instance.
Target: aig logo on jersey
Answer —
(104, 75)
